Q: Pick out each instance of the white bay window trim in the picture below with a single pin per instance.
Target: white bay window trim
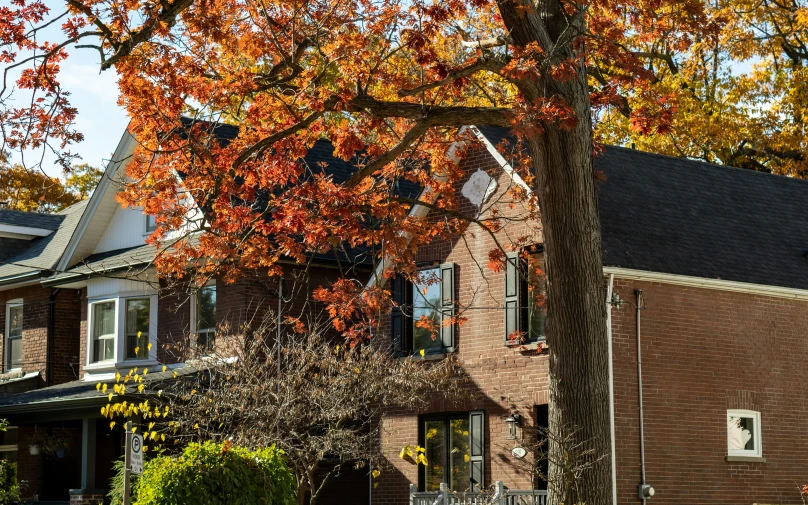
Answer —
(119, 359)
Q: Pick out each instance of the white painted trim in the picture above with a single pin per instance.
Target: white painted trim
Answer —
(492, 149)
(706, 283)
(121, 155)
(23, 232)
(755, 416)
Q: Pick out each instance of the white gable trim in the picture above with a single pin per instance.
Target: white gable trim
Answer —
(123, 152)
(492, 149)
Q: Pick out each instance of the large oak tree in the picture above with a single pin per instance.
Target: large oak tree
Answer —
(388, 82)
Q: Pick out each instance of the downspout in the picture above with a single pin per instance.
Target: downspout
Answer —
(646, 491)
(609, 291)
(51, 328)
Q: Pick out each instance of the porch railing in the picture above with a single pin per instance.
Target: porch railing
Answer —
(500, 496)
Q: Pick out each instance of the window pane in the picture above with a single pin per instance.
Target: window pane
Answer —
(741, 433)
(536, 299)
(426, 304)
(137, 328)
(15, 321)
(435, 445)
(459, 456)
(103, 319)
(205, 341)
(206, 308)
(15, 352)
(104, 349)
(151, 223)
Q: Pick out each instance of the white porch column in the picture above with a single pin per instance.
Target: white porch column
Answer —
(88, 453)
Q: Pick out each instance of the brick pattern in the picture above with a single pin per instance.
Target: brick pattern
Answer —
(36, 314)
(706, 351)
(86, 497)
(505, 380)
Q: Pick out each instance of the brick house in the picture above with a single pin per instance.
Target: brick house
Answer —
(715, 257)
(722, 416)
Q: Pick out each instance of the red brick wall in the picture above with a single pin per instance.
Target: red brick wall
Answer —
(705, 351)
(36, 310)
(505, 380)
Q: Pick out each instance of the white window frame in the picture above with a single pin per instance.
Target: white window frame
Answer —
(120, 360)
(195, 312)
(125, 329)
(17, 302)
(91, 327)
(147, 227)
(10, 447)
(757, 452)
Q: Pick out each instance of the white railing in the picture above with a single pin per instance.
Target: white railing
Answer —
(500, 496)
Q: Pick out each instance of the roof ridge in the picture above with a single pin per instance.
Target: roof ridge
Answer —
(706, 163)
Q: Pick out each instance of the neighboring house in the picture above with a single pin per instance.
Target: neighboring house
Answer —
(121, 317)
(717, 258)
(719, 254)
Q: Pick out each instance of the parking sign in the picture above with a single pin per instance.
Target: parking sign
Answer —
(136, 455)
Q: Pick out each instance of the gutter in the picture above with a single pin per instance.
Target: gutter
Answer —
(26, 277)
(52, 405)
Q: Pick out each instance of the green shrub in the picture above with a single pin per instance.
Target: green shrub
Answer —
(115, 493)
(9, 486)
(214, 474)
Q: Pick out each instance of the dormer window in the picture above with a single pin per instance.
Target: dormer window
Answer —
(151, 223)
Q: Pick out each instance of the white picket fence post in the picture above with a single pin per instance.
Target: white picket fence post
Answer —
(499, 493)
(413, 490)
(444, 493)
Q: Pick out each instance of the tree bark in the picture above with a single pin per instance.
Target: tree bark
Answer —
(576, 321)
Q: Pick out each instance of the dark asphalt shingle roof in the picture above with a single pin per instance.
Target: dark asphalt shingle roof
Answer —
(44, 252)
(30, 219)
(679, 216)
(83, 390)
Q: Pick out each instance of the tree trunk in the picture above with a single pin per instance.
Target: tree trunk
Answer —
(576, 321)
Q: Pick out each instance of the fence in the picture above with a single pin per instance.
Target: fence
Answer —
(500, 496)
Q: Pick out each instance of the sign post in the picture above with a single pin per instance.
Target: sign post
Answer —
(133, 459)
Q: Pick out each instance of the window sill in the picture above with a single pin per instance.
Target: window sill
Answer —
(100, 366)
(744, 459)
(533, 346)
(433, 356)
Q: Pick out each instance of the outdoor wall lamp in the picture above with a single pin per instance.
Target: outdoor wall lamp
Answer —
(512, 422)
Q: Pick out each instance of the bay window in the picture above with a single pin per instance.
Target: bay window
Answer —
(14, 334)
(137, 328)
(103, 331)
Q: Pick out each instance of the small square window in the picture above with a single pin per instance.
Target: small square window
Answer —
(743, 433)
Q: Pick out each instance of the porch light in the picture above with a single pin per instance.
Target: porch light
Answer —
(512, 422)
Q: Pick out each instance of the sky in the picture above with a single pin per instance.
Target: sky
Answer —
(95, 95)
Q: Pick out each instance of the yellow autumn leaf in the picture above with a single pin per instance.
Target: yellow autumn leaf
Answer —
(110, 397)
(375, 473)
(421, 352)
(164, 368)
(149, 346)
(137, 349)
(466, 458)
(98, 387)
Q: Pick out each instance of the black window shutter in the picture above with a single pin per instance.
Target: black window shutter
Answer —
(477, 450)
(398, 320)
(447, 305)
(513, 295)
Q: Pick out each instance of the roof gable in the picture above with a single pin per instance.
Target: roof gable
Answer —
(679, 216)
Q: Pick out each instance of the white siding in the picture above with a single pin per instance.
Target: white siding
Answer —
(127, 228)
(100, 287)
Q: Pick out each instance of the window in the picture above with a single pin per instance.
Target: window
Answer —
(454, 450)
(423, 312)
(151, 223)
(8, 444)
(743, 433)
(137, 328)
(14, 334)
(206, 317)
(103, 331)
(525, 299)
